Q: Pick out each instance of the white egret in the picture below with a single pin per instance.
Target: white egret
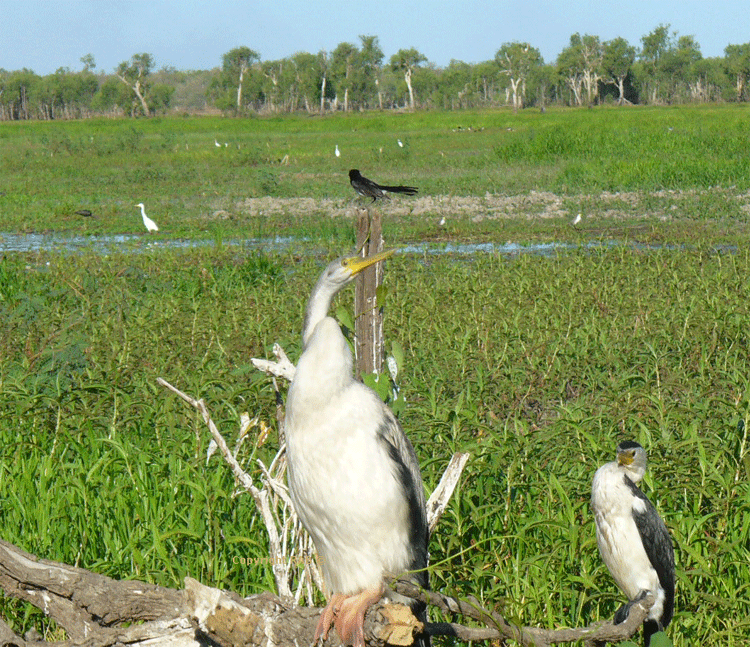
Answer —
(216, 143)
(632, 538)
(337, 151)
(148, 223)
(400, 143)
(576, 220)
(353, 474)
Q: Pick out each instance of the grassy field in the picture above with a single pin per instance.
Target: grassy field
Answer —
(537, 365)
(640, 166)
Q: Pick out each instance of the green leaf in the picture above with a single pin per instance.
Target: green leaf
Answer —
(344, 317)
(381, 292)
(398, 354)
(378, 383)
(660, 639)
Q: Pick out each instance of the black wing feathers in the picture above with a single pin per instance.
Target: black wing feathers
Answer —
(658, 546)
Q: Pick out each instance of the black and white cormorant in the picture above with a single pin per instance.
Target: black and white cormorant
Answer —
(632, 538)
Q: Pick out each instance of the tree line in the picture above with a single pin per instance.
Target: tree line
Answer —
(666, 69)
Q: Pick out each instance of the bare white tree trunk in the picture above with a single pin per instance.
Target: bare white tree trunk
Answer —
(514, 83)
(243, 67)
(407, 78)
(590, 82)
(575, 82)
(136, 87)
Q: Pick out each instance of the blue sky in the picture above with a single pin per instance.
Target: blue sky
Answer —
(44, 35)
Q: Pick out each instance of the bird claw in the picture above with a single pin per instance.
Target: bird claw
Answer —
(349, 623)
(621, 615)
(327, 617)
(347, 615)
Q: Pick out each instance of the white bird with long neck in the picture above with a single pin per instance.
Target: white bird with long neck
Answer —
(353, 475)
(147, 222)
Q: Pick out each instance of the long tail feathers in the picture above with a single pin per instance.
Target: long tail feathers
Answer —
(408, 190)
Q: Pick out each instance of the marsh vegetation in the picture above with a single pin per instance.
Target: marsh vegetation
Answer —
(537, 365)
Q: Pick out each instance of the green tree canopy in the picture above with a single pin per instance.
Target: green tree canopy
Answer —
(406, 61)
(135, 74)
(516, 61)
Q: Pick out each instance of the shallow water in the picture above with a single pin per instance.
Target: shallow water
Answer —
(135, 243)
(123, 243)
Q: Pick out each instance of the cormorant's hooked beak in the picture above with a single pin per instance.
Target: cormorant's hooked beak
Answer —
(356, 264)
(626, 457)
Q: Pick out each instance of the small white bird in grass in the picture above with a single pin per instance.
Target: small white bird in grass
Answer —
(148, 223)
(633, 540)
(576, 220)
(400, 143)
(216, 143)
(338, 152)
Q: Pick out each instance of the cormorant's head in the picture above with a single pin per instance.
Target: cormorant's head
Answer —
(632, 458)
(343, 270)
(334, 277)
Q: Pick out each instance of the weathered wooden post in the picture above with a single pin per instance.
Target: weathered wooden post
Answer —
(368, 322)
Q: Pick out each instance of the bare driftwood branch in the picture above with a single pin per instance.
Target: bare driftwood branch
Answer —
(262, 496)
(93, 610)
(440, 496)
(282, 367)
(598, 633)
(81, 602)
(290, 548)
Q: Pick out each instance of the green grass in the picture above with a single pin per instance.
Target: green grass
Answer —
(538, 366)
(195, 190)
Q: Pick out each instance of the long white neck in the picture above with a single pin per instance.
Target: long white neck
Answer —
(325, 367)
(317, 307)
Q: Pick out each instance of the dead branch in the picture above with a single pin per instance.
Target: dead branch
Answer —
(83, 603)
(596, 634)
(440, 496)
(282, 367)
(94, 609)
(290, 547)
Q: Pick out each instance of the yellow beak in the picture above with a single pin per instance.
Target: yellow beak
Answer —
(625, 458)
(357, 264)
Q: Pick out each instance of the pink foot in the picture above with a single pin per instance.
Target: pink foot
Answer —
(349, 618)
(327, 616)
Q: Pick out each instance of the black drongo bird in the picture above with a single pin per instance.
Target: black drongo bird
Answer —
(370, 189)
